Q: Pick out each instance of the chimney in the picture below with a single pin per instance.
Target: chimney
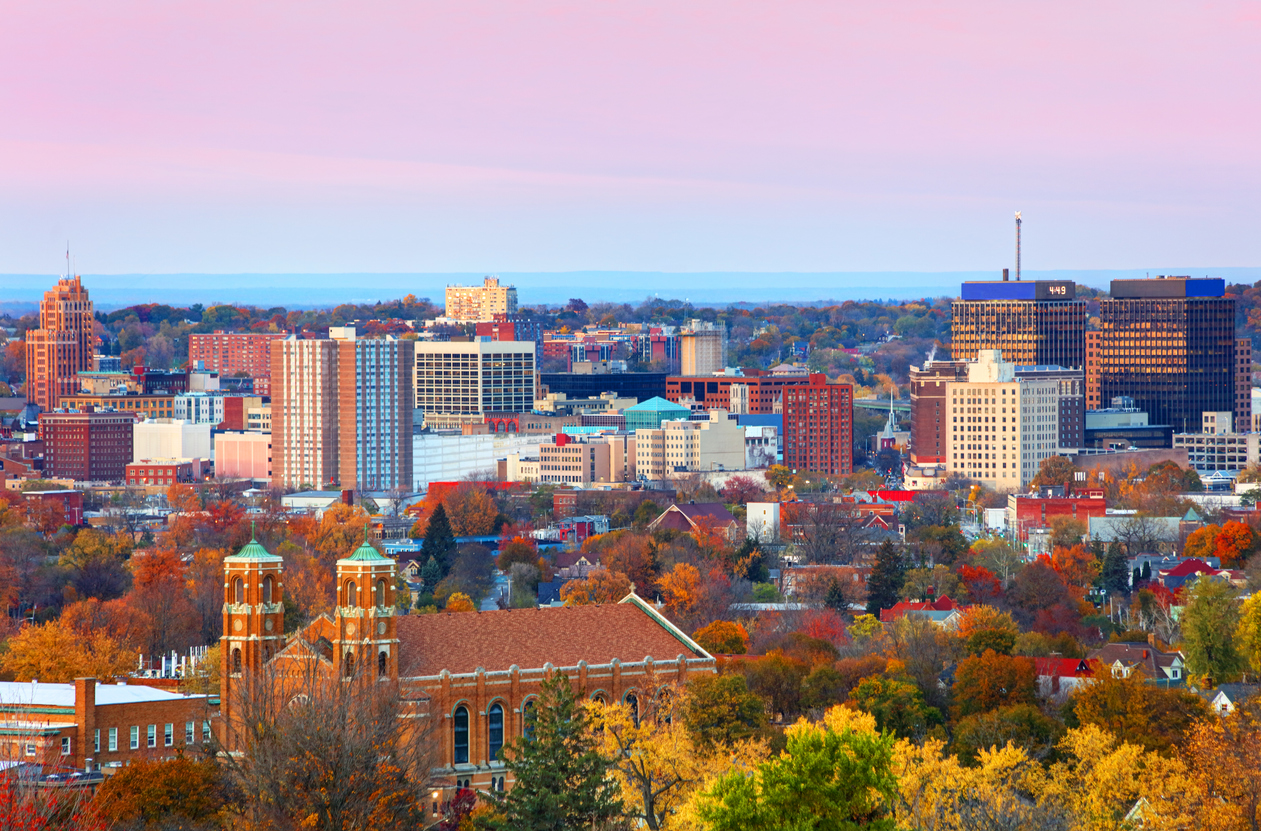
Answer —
(84, 721)
(1004, 275)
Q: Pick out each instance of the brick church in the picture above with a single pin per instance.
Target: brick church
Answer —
(475, 674)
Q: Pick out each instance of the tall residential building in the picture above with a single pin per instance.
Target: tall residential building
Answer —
(1243, 384)
(461, 382)
(687, 446)
(930, 409)
(819, 426)
(86, 446)
(473, 304)
(236, 353)
(62, 346)
(1169, 343)
(1004, 419)
(341, 412)
(1038, 322)
(374, 412)
(702, 348)
(1094, 347)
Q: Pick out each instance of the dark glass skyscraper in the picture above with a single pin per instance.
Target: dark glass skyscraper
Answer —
(1169, 343)
(1033, 323)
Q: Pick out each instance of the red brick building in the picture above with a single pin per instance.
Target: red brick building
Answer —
(819, 427)
(230, 353)
(89, 726)
(236, 410)
(86, 446)
(765, 391)
(1026, 511)
(930, 421)
(68, 503)
(163, 471)
(467, 678)
(62, 346)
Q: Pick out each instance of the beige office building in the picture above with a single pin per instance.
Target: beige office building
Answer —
(477, 304)
(702, 348)
(341, 412)
(460, 383)
(1002, 425)
(690, 446)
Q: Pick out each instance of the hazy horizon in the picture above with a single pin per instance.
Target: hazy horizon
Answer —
(700, 288)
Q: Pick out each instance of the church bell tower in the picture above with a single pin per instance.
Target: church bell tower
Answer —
(367, 629)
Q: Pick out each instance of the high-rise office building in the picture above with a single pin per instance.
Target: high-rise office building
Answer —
(473, 304)
(1038, 322)
(1004, 420)
(819, 427)
(703, 348)
(62, 346)
(461, 382)
(1169, 343)
(342, 412)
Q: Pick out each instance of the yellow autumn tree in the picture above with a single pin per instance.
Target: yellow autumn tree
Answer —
(460, 602)
(656, 761)
(1099, 780)
(599, 586)
(57, 654)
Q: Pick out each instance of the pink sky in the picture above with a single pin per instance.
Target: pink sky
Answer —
(516, 136)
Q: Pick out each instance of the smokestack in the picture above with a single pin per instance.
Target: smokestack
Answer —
(1004, 275)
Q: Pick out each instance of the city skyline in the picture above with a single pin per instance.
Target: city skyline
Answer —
(554, 137)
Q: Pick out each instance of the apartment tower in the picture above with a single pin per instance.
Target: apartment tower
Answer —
(702, 348)
(62, 346)
(819, 427)
(475, 304)
(341, 412)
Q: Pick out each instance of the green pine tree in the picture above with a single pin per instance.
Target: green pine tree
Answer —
(431, 574)
(439, 543)
(561, 780)
(1116, 571)
(885, 583)
(1147, 570)
(835, 598)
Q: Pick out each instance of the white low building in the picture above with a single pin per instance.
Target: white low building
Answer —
(169, 438)
(448, 455)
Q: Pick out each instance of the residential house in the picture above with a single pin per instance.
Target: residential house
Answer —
(1165, 669)
(927, 609)
(1227, 697)
(694, 516)
(1058, 677)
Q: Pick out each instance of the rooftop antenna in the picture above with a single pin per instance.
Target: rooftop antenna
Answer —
(1017, 246)
(67, 259)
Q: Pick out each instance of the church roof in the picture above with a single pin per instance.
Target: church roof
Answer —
(460, 642)
(253, 550)
(366, 553)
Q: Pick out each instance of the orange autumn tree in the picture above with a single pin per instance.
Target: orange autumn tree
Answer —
(1202, 542)
(1234, 543)
(1076, 566)
(722, 637)
(158, 591)
(600, 586)
(56, 654)
(681, 590)
(181, 497)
